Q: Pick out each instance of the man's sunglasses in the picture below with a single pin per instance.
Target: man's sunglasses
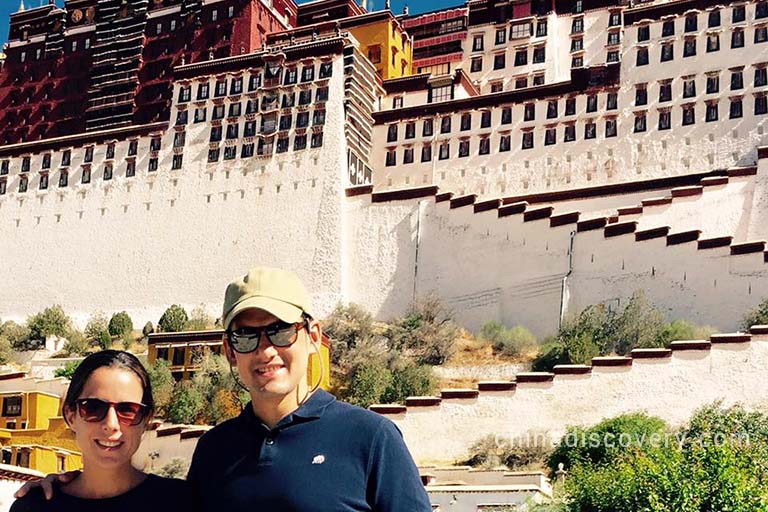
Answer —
(95, 409)
(280, 334)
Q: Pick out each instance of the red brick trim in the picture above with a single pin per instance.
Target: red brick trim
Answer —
(512, 209)
(651, 353)
(712, 243)
(534, 377)
(388, 409)
(459, 394)
(630, 210)
(715, 180)
(611, 361)
(485, 206)
(742, 171)
(650, 234)
(461, 201)
(657, 201)
(496, 386)
(403, 194)
(758, 330)
(683, 238)
(620, 228)
(591, 224)
(193, 433)
(169, 431)
(695, 190)
(572, 369)
(538, 213)
(359, 190)
(422, 401)
(564, 219)
(13, 375)
(748, 247)
(762, 152)
(721, 339)
(690, 345)
(443, 196)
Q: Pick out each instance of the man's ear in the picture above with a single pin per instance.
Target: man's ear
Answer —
(69, 417)
(228, 352)
(315, 332)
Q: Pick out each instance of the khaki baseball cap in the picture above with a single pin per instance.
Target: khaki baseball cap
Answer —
(274, 290)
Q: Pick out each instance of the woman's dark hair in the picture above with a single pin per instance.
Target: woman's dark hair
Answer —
(107, 359)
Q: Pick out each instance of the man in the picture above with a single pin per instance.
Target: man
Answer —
(295, 448)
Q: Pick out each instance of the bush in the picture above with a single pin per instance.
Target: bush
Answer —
(174, 319)
(218, 387)
(514, 342)
(51, 321)
(368, 384)
(148, 329)
(756, 316)
(186, 403)
(427, 332)
(493, 451)
(68, 371)
(685, 330)
(177, 467)
(76, 344)
(162, 381)
(409, 380)
(96, 325)
(120, 324)
(640, 325)
(199, 320)
(345, 326)
(6, 350)
(17, 335)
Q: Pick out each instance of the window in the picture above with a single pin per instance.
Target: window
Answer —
(4, 167)
(221, 88)
(668, 28)
(173, 25)
(445, 125)
(761, 77)
(506, 115)
(216, 132)
(374, 54)
(282, 144)
(643, 33)
(761, 34)
(237, 86)
(427, 128)
(182, 117)
(711, 114)
(689, 47)
(529, 112)
(466, 122)
(214, 15)
(612, 56)
(590, 130)
(501, 36)
(641, 95)
(520, 30)
(476, 64)
(46, 161)
(485, 119)
(613, 38)
(179, 138)
(326, 70)
(761, 105)
(391, 158)
(443, 93)
(521, 83)
(541, 28)
(86, 177)
(738, 14)
(269, 122)
(203, 91)
(235, 109)
(230, 152)
(640, 122)
(108, 172)
(736, 110)
(642, 56)
(133, 148)
(285, 123)
(66, 158)
(592, 103)
(247, 150)
(505, 143)
(737, 39)
(218, 112)
(159, 29)
(610, 127)
(12, 406)
(43, 184)
(302, 120)
(668, 51)
(612, 100)
(539, 55)
(3, 187)
(397, 102)
(444, 151)
(665, 120)
(665, 91)
(714, 19)
(289, 100)
(689, 88)
(213, 155)
(521, 57)
(577, 26)
(552, 109)
(463, 148)
(426, 153)
(499, 61)
(550, 136)
(130, 169)
(64, 178)
(577, 62)
(761, 11)
(615, 19)
(538, 79)
(691, 23)
(527, 142)
(88, 157)
(737, 80)
(254, 82)
(485, 146)
(477, 43)
(578, 6)
(689, 115)
(307, 73)
(200, 115)
(570, 133)
(577, 44)
(713, 43)
(392, 133)
(713, 84)
(185, 93)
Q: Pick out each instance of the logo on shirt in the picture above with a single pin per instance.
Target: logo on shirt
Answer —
(319, 459)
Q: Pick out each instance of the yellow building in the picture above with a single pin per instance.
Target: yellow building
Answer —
(35, 435)
(182, 349)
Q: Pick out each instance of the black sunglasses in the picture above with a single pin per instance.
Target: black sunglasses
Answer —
(95, 409)
(280, 334)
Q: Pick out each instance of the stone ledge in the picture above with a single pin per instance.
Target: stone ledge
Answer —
(422, 401)
(193, 433)
(443, 196)
(758, 330)
(538, 214)
(630, 210)
(404, 194)
(485, 206)
(722, 339)
(687, 191)
(657, 201)
(713, 243)
(690, 345)
(534, 377)
(748, 247)
(459, 394)
(169, 431)
(714, 180)
(388, 409)
(591, 224)
(359, 190)
(496, 386)
(563, 219)
(683, 237)
(621, 228)
(742, 171)
(651, 353)
(512, 209)
(611, 361)
(459, 202)
(572, 369)
(650, 234)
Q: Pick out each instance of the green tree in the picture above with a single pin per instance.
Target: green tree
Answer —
(162, 381)
(427, 332)
(199, 320)
(409, 379)
(120, 324)
(685, 330)
(756, 316)
(68, 370)
(216, 383)
(345, 326)
(368, 383)
(173, 320)
(640, 325)
(76, 344)
(17, 335)
(97, 326)
(6, 349)
(186, 403)
(514, 342)
(51, 321)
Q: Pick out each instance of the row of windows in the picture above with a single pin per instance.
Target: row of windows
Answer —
(712, 113)
(689, 85)
(690, 45)
(516, 31)
(272, 73)
(266, 147)
(529, 114)
(269, 124)
(691, 24)
(500, 59)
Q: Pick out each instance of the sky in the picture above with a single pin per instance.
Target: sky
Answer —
(415, 6)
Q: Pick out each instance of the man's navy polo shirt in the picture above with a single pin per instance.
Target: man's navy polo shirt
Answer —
(326, 456)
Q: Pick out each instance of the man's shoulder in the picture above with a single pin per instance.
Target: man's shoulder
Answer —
(359, 417)
(222, 431)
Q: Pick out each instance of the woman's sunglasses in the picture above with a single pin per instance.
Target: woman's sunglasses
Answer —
(95, 409)
(279, 334)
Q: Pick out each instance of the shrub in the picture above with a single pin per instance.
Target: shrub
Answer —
(215, 382)
(177, 467)
(174, 319)
(685, 330)
(514, 342)
(120, 324)
(186, 403)
(51, 321)
(17, 335)
(148, 329)
(199, 320)
(494, 451)
(640, 325)
(427, 332)
(409, 380)
(162, 385)
(345, 326)
(6, 350)
(756, 316)
(368, 383)
(68, 370)
(96, 326)
(76, 344)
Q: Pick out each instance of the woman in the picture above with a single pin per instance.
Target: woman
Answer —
(108, 406)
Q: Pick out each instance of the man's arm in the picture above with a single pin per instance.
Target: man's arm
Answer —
(394, 484)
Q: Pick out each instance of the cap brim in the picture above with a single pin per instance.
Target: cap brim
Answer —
(282, 310)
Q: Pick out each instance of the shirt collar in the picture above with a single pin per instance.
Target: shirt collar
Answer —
(312, 408)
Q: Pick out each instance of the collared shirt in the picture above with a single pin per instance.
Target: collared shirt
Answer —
(325, 456)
